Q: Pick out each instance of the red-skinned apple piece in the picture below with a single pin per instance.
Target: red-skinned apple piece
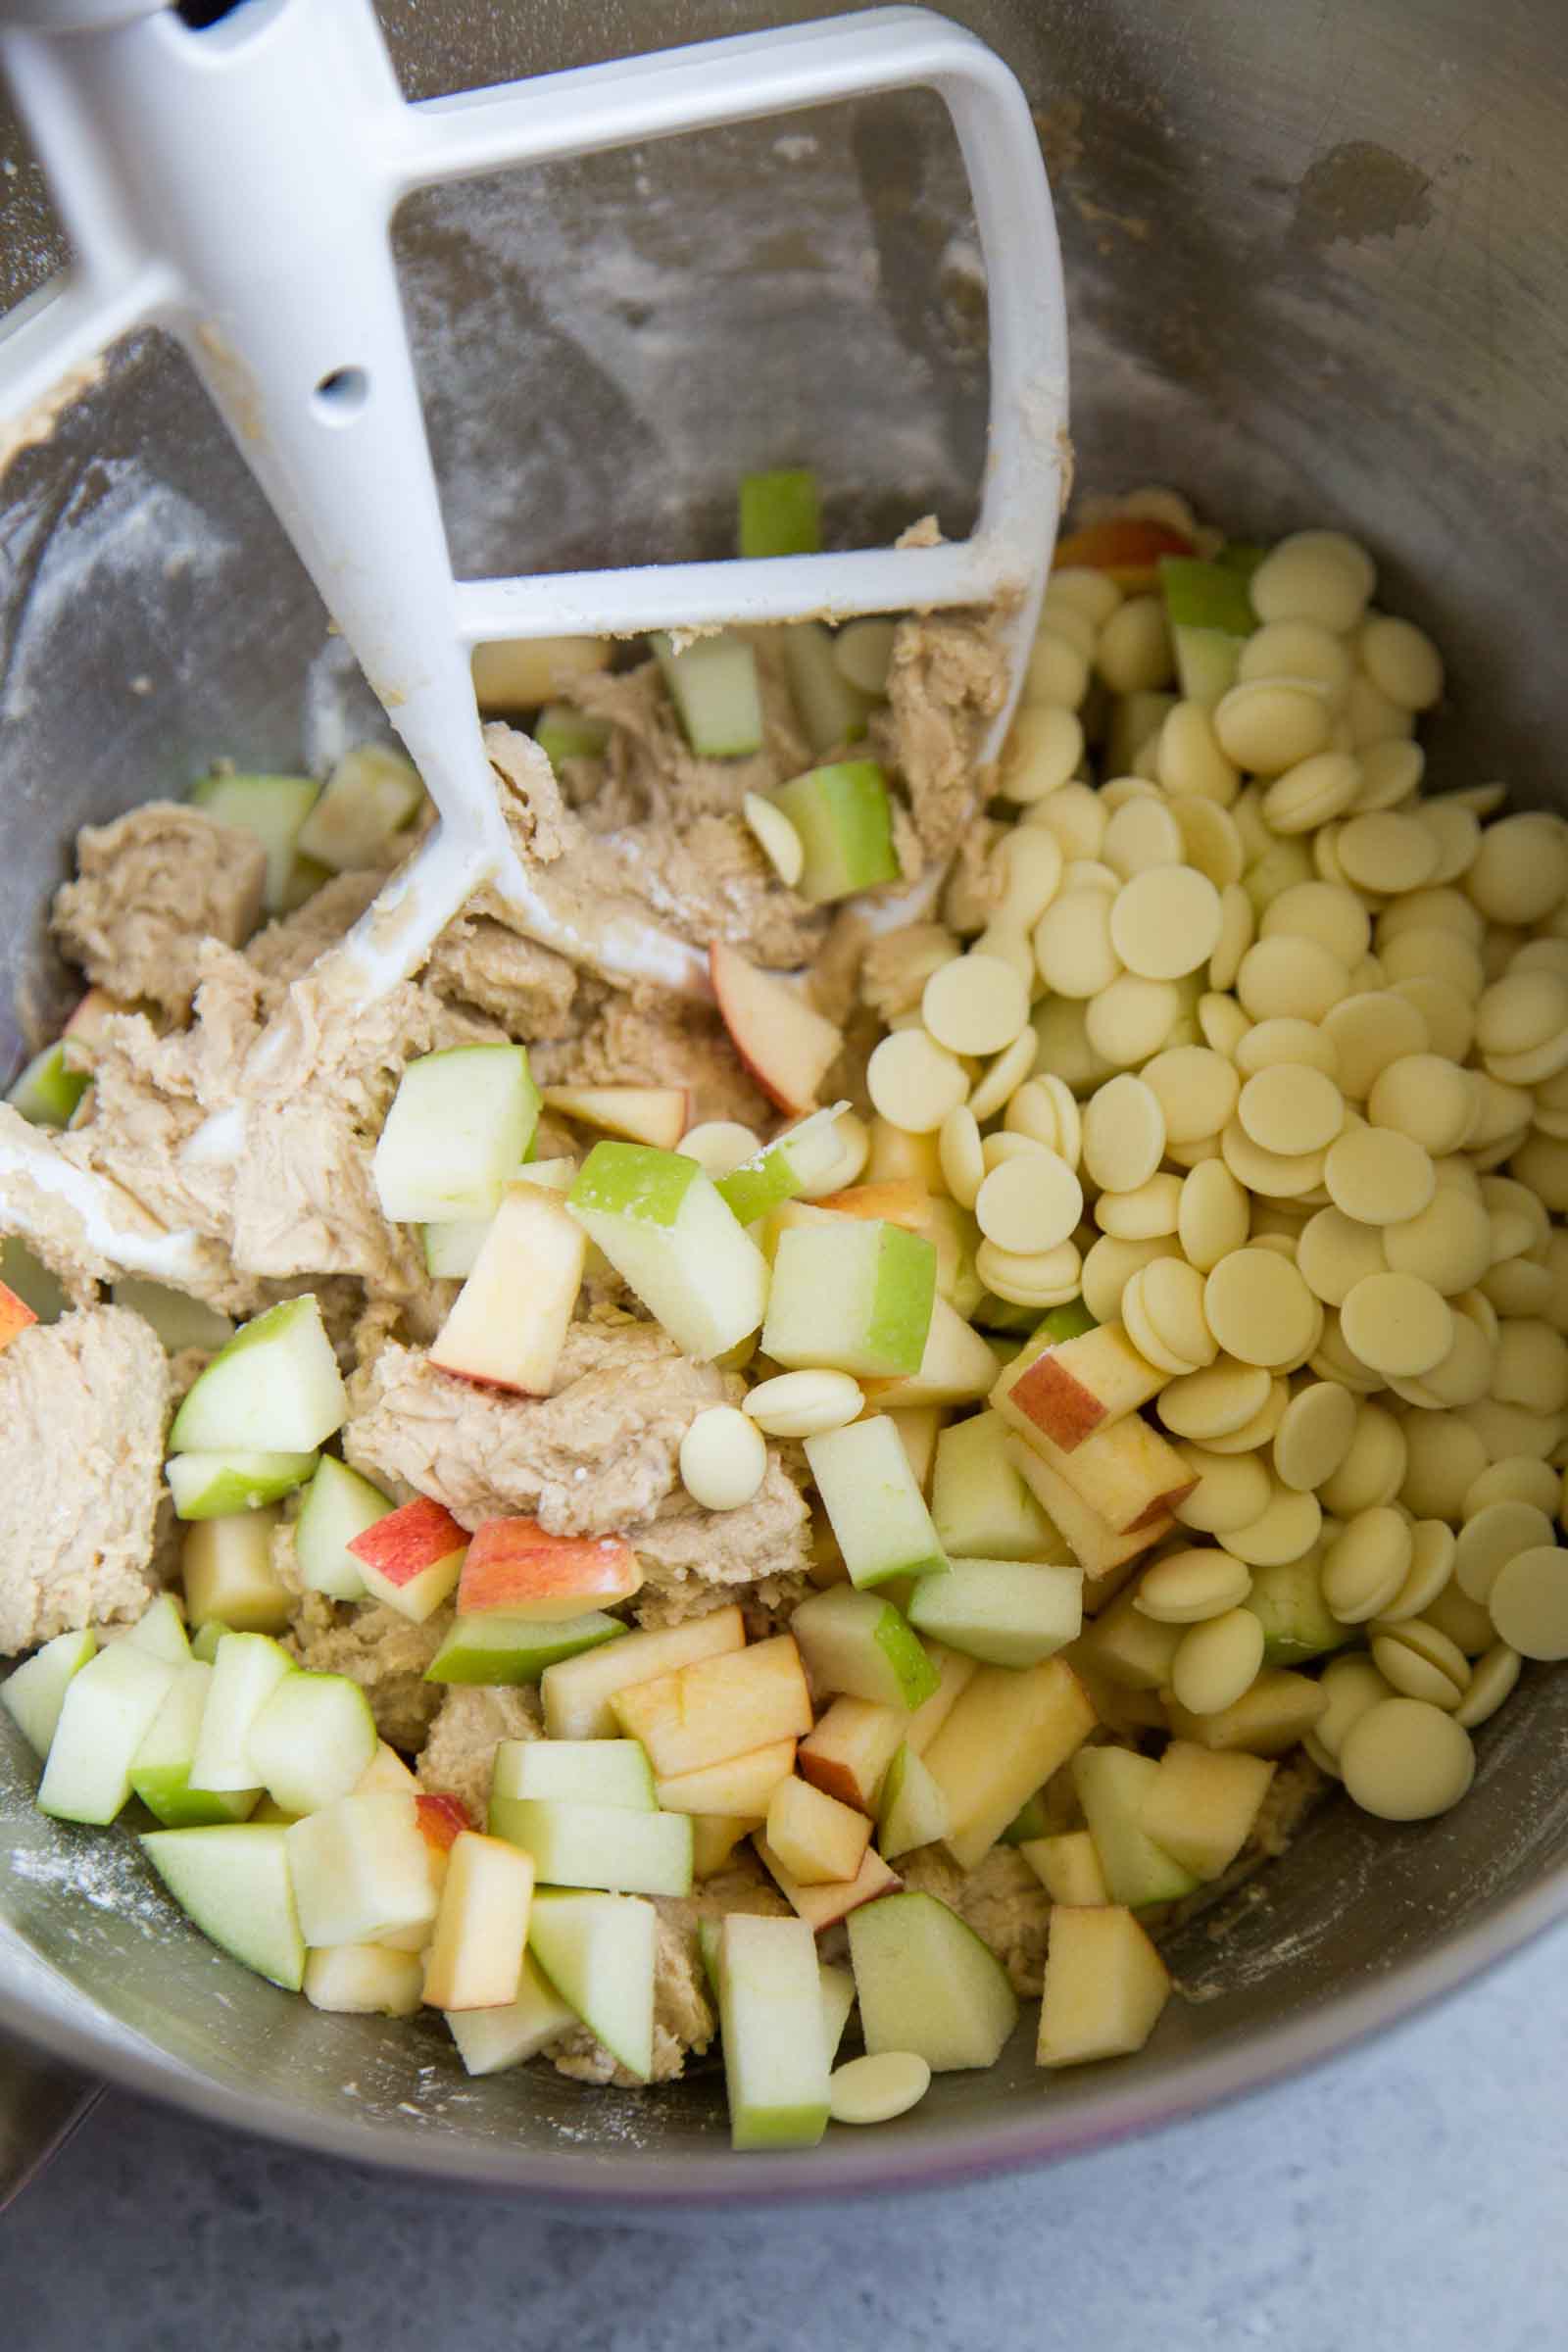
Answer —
(1083, 1385)
(14, 1315)
(412, 1559)
(787, 1046)
(898, 1202)
(517, 1568)
(442, 1818)
(1127, 546)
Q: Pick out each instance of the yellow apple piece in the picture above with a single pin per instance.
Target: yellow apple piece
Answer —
(817, 1838)
(1103, 1553)
(1128, 1474)
(226, 1569)
(1105, 1986)
(1201, 1804)
(363, 1980)
(1008, 1733)
(387, 1770)
(825, 1905)
(955, 1367)
(1269, 1719)
(848, 1753)
(1128, 1649)
(717, 1708)
(715, 1837)
(641, 1115)
(509, 1322)
(1068, 1867)
(481, 1929)
(1069, 1390)
(740, 1786)
(577, 1693)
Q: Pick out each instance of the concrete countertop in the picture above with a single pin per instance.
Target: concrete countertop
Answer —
(1412, 2195)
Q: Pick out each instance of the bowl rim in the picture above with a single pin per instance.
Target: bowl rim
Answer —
(568, 2177)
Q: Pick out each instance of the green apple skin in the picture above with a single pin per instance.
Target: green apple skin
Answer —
(784, 1168)
(860, 1645)
(911, 1810)
(47, 1092)
(831, 710)
(313, 1741)
(980, 1505)
(665, 1229)
(274, 1388)
(774, 2040)
(597, 1771)
(338, 1504)
(780, 513)
(596, 1951)
(461, 1125)
(928, 1984)
(851, 1296)
(233, 1882)
(713, 685)
(161, 1773)
(214, 1486)
(109, 1708)
(1030, 1820)
(844, 817)
(509, 1649)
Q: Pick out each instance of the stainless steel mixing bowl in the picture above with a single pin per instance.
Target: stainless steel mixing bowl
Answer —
(1318, 270)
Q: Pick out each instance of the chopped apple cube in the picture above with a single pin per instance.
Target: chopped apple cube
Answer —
(860, 1644)
(216, 1486)
(1068, 1867)
(844, 817)
(313, 1741)
(1203, 1803)
(508, 1324)
(830, 707)
(713, 685)
(665, 1230)
(918, 1426)
(715, 1837)
(161, 1628)
(913, 1810)
(1098, 1547)
(519, 673)
(954, 1673)
(412, 1559)
(516, 1650)
(361, 1870)
(515, 1568)
(489, 2040)
(226, 1569)
(1105, 1986)
(838, 1999)
(1271, 1719)
(1287, 1599)
(247, 1670)
(775, 2046)
(816, 1837)
(608, 1846)
(780, 513)
(1005, 1612)
(848, 1754)
(596, 1951)
(1210, 617)
(589, 1772)
(481, 1929)
(926, 1983)
(363, 1980)
(852, 1296)
(792, 1165)
(1130, 1649)
(371, 792)
(274, 1388)
(562, 733)
(1129, 547)
(387, 1770)
(1124, 1472)
(1070, 1391)
(338, 1505)
(1008, 1733)
(33, 1692)
(271, 807)
(459, 1128)
(980, 1504)
(14, 1315)
(233, 1882)
(877, 1512)
(740, 1786)
(641, 1115)
(718, 1707)
(1114, 1787)
(451, 1248)
(786, 1044)
(49, 1090)
(824, 1906)
(161, 1773)
(577, 1693)
(955, 1367)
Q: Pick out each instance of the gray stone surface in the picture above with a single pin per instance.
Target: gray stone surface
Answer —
(1412, 2196)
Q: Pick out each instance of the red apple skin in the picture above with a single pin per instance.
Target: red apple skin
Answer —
(1127, 546)
(896, 1201)
(515, 1561)
(1056, 1402)
(14, 1315)
(442, 1819)
(409, 1541)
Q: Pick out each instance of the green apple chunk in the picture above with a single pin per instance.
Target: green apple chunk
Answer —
(857, 1644)
(233, 1883)
(246, 1671)
(845, 820)
(271, 807)
(596, 1951)
(562, 733)
(205, 1639)
(795, 1163)
(451, 1248)
(371, 793)
(713, 685)
(274, 1388)
(33, 1692)
(161, 1629)
(161, 1773)
(1114, 1787)
(364, 1980)
(108, 1711)
(775, 2044)
(838, 1999)
(665, 1230)
(957, 1366)
(781, 513)
(361, 1869)
(214, 1486)
(927, 1983)
(460, 1127)
(508, 1323)
(1210, 616)
(491, 2040)
(877, 1512)
(313, 1741)
(1007, 1612)
(911, 1810)
(588, 1772)
(228, 1574)
(980, 1505)
(851, 1295)
(830, 707)
(338, 1504)
(178, 1321)
(1030, 1820)
(513, 1649)
(1287, 1599)
(607, 1846)
(48, 1092)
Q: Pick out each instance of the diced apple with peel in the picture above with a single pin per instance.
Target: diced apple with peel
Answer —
(858, 1644)
(715, 1837)
(596, 1951)
(1004, 1612)
(640, 1114)
(361, 1870)
(412, 1559)
(830, 707)
(718, 1707)
(509, 1322)
(49, 1089)
(914, 1811)
(1008, 1733)
(817, 1838)
(852, 1296)
(14, 1315)
(233, 1883)
(274, 1388)
(665, 1230)
(578, 1692)
(338, 1505)
(824, 1906)
(786, 1044)
(1203, 1803)
(371, 794)
(877, 1512)
(518, 1650)
(1113, 1788)
(247, 1669)
(214, 1486)
(1105, 1986)
(226, 1569)
(363, 1980)
(1271, 1719)
(33, 1692)
(161, 1773)
(980, 1505)
(109, 1707)
(313, 1741)
(926, 1983)
(564, 733)
(489, 2040)
(519, 673)
(517, 1568)
(590, 1772)
(1210, 616)
(956, 1366)
(1130, 1649)
(848, 1752)
(271, 807)
(481, 1929)
(1069, 1392)
(954, 1673)
(788, 1168)
(1098, 1547)
(844, 817)
(607, 1846)
(459, 1129)
(1129, 547)
(1067, 1866)
(1125, 1472)
(740, 1788)
(774, 2040)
